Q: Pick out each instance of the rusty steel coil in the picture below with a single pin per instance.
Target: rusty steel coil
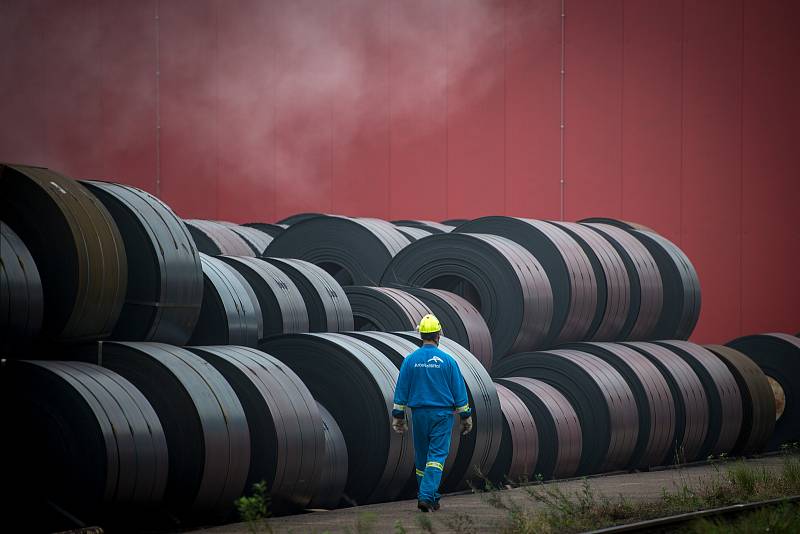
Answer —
(76, 246)
(612, 282)
(270, 229)
(499, 277)
(460, 321)
(600, 395)
(355, 382)
(778, 355)
(384, 309)
(230, 313)
(758, 403)
(722, 392)
(429, 226)
(255, 238)
(20, 293)
(208, 439)
(415, 234)
(215, 238)
(165, 278)
(326, 303)
(287, 442)
(80, 427)
(299, 217)
(654, 400)
(353, 251)
(646, 289)
(691, 404)
(566, 264)
(559, 434)
(331, 481)
(519, 448)
(282, 306)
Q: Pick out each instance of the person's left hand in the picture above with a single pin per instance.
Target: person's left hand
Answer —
(466, 425)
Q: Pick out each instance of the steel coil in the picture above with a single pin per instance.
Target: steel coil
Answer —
(415, 234)
(353, 251)
(619, 223)
(255, 238)
(454, 222)
(384, 309)
(331, 481)
(327, 306)
(602, 399)
(691, 404)
(429, 226)
(559, 433)
(20, 292)
(778, 355)
(214, 238)
(287, 442)
(379, 460)
(519, 448)
(758, 403)
(230, 313)
(76, 246)
(499, 277)
(282, 306)
(273, 230)
(165, 278)
(299, 217)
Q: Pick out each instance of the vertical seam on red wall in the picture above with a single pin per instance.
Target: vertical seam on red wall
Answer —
(505, 110)
(158, 98)
(331, 21)
(216, 107)
(388, 212)
(446, 112)
(683, 118)
(622, 116)
(562, 186)
(741, 176)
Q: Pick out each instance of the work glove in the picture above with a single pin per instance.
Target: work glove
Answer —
(466, 425)
(399, 424)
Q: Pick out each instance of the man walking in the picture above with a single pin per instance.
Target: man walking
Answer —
(431, 385)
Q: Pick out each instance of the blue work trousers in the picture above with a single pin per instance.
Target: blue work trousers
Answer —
(432, 428)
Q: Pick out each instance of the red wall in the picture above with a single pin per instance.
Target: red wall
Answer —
(681, 115)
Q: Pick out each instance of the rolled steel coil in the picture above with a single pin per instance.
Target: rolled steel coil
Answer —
(499, 277)
(454, 222)
(646, 290)
(353, 251)
(415, 234)
(20, 292)
(429, 226)
(287, 442)
(600, 395)
(76, 246)
(691, 404)
(214, 238)
(81, 427)
(722, 392)
(654, 401)
(384, 308)
(282, 306)
(778, 355)
(566, 264)
(758, 403)
(299, 217)
(273, 230)
(611, 277)
(230, 313)
(355, 382)
(208, 439)
(326, 303)
(477, 450)
(165, 278)
(559, 434)
(619, 223)
(332, 479)
(461, 322)
(519, 448)
(255, 238)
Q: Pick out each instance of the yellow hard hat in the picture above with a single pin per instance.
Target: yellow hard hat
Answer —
(429, 324)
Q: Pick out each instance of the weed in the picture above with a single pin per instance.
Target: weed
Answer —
(460, 523)
(254, 509)
(398, 528)
(424, 522)
(774, 519)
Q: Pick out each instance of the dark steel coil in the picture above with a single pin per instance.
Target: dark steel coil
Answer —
(20, 292)
(255, 238)
(273, 230)
(602, 399)
(567, 267)
(355, 382)
(647, 293)
(230, 313)
(778, 355)
(214, 238)
(758, 403)
(519, 448)
(353, 251)
(208, 439)
(499, 277)
(384, 308)
(454, 222)
(722, 392)
(332, 478)
(165, 278)
(287, 442)
(429, 226)
(415, 234)
(654, 400)
(691, 404)
(619, 223)
(299, 217)
(282, 306)
(326, 303)
(559, 433)
(76, 246)
(611, 277)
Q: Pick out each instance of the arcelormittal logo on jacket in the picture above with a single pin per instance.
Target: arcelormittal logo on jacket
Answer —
(437, 363)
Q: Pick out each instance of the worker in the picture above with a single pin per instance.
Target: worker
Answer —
(431, 385)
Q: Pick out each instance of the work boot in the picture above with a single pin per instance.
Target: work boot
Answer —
(436, 506)
(424, 506)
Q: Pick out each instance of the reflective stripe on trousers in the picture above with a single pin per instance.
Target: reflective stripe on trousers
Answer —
(431, 428)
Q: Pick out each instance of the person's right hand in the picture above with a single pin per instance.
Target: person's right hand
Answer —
(399, 425)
